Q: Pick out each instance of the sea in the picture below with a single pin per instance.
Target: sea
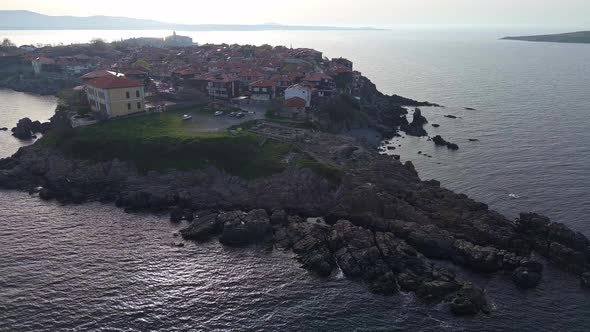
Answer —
(523, 127)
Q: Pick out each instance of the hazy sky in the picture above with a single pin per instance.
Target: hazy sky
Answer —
(327, 12)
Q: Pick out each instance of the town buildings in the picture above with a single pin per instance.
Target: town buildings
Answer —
(184, 72)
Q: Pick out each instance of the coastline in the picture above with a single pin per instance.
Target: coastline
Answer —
(401, 221)
(408, 217)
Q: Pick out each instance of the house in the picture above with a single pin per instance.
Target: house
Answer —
(323, 83)
(343, 62)
(248, 76)
(300, 91)
(74, 65)
(43, 64)
(306, 53)
(113, 96)
(263, 90)
(223, 87)
(135, 74)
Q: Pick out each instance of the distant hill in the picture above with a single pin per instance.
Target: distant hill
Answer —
(27, 20)
(582, 37)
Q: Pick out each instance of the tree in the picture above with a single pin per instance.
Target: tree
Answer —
(7, 43)
(98, 43)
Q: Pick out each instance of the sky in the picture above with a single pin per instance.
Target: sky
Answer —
(376, 13)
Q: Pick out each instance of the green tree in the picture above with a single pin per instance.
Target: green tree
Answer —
(98, 43)
(7, 43)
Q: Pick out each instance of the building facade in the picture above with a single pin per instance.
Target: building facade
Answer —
(223, 88)
(263, 90)
(113, 96)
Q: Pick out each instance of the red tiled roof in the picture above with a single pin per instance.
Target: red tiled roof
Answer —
(263, 84)
(295, 102)
(45, 61)
(316, 77)
(134, 72)
(114, 82)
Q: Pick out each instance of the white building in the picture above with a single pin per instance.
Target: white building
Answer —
(299, 91)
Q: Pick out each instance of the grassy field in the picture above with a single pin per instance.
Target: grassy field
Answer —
(162, 141)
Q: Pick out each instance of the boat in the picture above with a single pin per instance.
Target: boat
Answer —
(187, 117)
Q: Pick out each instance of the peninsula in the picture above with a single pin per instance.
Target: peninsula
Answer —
(580, 37)
(250, 145)
(27, 20)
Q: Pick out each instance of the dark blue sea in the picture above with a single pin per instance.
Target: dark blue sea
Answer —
(92, 267)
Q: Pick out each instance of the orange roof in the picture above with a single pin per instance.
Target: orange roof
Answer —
(263, 84)
(134, 71)
(114, 82)
(316, 77)
(295, 102)
(45, 61)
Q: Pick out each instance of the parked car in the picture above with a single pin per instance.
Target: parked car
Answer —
(218, 113)
(187, 117)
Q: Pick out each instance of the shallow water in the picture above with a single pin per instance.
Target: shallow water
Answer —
(13, 107)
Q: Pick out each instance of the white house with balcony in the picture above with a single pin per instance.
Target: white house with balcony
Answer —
(299, 91)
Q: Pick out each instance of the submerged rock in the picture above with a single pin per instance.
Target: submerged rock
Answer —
(470, 300)
(525, 277)
(202, 228)
(26, 128)
(439, 141)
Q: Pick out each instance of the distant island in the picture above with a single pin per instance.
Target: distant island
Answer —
(27, 20)
(579, 37)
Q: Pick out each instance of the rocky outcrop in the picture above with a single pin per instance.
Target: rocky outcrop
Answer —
(416, 127)
(26, 128)
(245, 228)
(469, 301)
(439, 141)
(526, 277)
(203, 228)
(382, 224)
(561, 245)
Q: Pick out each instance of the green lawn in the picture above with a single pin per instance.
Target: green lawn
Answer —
(162, 141)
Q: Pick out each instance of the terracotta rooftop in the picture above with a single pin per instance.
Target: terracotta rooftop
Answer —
(263, 84)
(295, 102)
(114, 82)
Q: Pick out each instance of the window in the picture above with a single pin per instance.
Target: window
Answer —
(137, 93)
(138, 105)
(129, 104)
(128, 95)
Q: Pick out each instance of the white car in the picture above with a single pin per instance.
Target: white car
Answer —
(218, 113)
(187, 117)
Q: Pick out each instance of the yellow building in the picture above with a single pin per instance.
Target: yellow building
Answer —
(113, 96)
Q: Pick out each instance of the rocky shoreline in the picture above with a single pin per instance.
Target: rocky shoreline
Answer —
(379, 223)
